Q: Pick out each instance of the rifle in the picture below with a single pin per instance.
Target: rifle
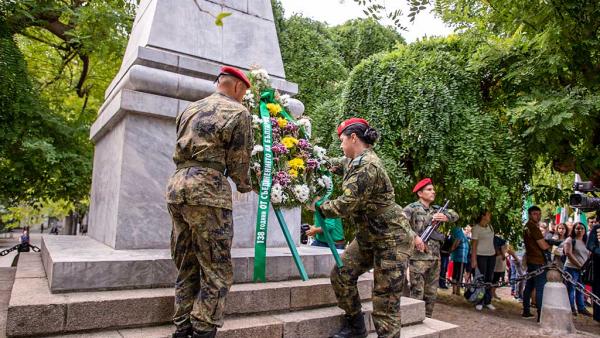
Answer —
(433, 225)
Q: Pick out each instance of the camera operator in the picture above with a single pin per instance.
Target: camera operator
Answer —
(593, 245)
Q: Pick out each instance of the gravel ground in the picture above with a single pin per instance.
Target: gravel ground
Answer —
(505, 321)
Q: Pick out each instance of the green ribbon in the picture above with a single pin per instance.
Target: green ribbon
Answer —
(269, 96)
(320, 222)
(264, 196)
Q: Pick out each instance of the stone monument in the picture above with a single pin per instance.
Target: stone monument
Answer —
(173, 56)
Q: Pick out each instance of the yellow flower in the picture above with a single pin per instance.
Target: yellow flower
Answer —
(289, 142)
(274, 108)
(297, 163)
(293, 173)
(282, 122)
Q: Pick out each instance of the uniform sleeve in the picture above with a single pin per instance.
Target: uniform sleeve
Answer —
(356, 188)
(238, 154)
(337, 164)
(452, 215)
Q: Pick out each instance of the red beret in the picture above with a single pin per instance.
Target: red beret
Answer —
(236, 73)
(350, 122)
(422, 183)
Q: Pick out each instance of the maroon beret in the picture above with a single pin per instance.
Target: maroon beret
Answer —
(422, 184)
(350, 122)
(227, 70)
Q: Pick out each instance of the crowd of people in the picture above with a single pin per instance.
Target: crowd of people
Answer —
(477, 251)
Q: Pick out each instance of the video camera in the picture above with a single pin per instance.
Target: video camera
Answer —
(580, 200)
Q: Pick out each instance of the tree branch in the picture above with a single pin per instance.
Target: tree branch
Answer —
(84, 72)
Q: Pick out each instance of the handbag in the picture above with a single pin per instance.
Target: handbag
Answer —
(587, 271)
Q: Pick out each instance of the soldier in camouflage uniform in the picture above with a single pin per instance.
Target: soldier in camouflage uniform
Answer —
(424, 267)
(214, 141)
(384, 240)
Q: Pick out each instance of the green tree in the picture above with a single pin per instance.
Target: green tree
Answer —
(544, 72)
(434, 123)
(358, 39)
(68, 51)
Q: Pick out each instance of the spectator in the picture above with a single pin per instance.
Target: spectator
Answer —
(483, 254)
(577, 253)
(459, 256)
(557, 250)
(467, 276)
(593, 245)
(516, 271)
(535, 245)
(337, 234)
(24, 241)
(544, 230)
(445, 250)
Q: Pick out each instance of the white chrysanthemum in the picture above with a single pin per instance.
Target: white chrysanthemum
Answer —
(257, 149)
(319, 152)
(256, 166)
(305, 123)
(277, 195)
(284, 99)
(302, 192)
(327, 181)
(320, 182)
(248, 99)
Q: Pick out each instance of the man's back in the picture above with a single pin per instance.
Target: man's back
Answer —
(214, 140)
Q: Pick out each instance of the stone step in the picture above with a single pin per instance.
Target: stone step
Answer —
(100, 267)
(33, 309)
(429, 328)
(322, 322)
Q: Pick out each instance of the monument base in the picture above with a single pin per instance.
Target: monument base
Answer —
(77, 263)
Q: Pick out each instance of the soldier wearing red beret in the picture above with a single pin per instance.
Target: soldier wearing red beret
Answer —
(384, 239)
(214, 143)
(425, 266)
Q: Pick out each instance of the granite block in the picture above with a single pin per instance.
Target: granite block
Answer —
(261, 9)
(445, 330)
(253, 298)
(245, 47)
(255, 326)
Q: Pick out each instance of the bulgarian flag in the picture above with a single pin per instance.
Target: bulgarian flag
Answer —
(561, 215)
(581, 217)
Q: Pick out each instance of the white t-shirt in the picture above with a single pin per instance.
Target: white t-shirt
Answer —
(485, 240)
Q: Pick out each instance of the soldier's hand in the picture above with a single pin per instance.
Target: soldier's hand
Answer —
(440, 217)
(312, 205)
(419, 244)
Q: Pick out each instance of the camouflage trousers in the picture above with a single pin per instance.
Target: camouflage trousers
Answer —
(389, 264)
(424, 277)
(201, 249)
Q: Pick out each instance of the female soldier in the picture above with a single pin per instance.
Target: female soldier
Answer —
(384, 239)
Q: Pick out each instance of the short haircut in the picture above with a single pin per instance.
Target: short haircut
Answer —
(533, 208)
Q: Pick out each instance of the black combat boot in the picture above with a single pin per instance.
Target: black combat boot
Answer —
(205, 334)
(354, 327)
(183, 332)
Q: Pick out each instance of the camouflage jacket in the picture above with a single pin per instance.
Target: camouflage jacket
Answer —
(217, 130)
(419, 217)
(368, 200)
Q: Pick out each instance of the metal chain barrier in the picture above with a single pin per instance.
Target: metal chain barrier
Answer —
(550, 266)
(16, 247)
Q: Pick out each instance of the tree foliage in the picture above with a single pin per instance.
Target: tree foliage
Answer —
(544, 64)
(430, 111)
(358, 39)
(53, 86)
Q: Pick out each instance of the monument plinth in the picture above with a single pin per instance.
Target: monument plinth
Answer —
(173, 56)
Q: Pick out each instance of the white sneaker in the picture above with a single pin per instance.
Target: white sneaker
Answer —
(491, 307)
(478, 307)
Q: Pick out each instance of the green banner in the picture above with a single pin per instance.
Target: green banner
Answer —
(320, 222)
(264, 196)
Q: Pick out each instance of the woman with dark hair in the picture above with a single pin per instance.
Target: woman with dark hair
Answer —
(483, 254)
(384, 239)
(577, 253)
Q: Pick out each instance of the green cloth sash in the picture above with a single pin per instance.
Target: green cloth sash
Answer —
(264, 195)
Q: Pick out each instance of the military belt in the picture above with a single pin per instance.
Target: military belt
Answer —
(202, 164)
